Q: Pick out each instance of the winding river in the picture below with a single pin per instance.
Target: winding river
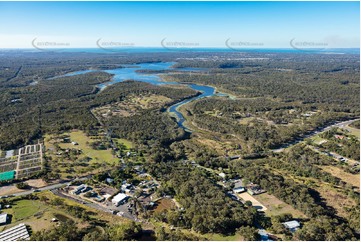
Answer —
(129, 72)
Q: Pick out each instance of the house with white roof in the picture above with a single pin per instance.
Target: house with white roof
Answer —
(292, 225)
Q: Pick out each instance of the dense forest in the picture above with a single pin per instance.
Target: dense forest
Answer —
(206, 206)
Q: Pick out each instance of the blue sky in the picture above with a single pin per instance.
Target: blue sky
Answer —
(200, 24)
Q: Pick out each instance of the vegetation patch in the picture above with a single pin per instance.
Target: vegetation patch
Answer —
(132, 105)
(76, 153)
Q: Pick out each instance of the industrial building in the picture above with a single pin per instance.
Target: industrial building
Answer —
(119, 199)
(19, 232)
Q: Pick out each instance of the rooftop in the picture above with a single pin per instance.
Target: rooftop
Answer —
(19, 232)
(119, 197)
(8, 175)
(3, 218)
(292, 224)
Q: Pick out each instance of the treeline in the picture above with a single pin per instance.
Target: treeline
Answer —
(277, 61)
(69, 231)
(37, 66)
(62, 106)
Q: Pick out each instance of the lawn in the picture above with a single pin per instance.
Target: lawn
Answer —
(24, 209)
(96, 155)
(38, 213)
(220, 237)
(128, 144)
(354, 131)
(317, 139)
(31, 212)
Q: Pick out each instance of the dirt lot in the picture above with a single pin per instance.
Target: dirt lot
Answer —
(353, 179)
(276, 206)
(164, 204)
(246, 197)
(36, 183)
(335, 199)
(10, 189)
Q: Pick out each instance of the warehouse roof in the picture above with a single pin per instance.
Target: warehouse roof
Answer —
(19, 232)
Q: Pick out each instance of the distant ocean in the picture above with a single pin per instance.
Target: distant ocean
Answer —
(162, 50)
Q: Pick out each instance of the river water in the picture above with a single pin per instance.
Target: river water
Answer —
(130, 73)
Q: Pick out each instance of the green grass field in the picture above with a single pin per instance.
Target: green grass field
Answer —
(219, 237)
(96, 155)
(24, 209)
(354, 131)
(317, 139)
(38, 214)
(31, 212)
(128, 144)
(99, 159)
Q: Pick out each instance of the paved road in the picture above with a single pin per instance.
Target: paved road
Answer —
(50, 187)
(342, 124)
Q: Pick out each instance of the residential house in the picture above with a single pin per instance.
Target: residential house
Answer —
(292, 225)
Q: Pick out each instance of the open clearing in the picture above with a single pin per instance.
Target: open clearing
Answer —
(133, 105)
(128, 144)
(336, 199)
(353, 131)
(96, 155)
(69, 160)
(255, 203)
(11, 189)
(32, 212)
(164, 204)
(318, 140)
(276, 207)
(353, 179)
(219, 237)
